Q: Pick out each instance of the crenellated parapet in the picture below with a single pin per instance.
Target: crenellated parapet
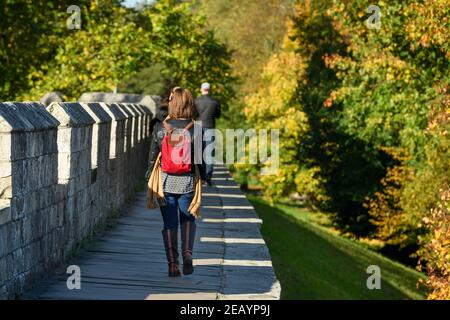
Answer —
(63, 169)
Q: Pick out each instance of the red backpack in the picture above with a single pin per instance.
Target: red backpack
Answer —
(176, 150)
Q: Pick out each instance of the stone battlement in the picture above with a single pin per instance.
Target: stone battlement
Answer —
(63, 169)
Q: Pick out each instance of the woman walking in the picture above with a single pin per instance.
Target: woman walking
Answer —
(174, 184)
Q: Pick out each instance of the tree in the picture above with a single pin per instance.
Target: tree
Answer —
(437, 250)
(115, 43)
(254, 31)
(109, 46)
(368, 96)
(151, 80)
(182, 42)
(30, 32)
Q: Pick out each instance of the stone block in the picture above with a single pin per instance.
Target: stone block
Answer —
(97, 112)
(70, 114)
(5, 146)
(64, 165)
(34, 144)
(95, 147)
(61, 192)
(3, 292)
(64, 140)
(46, 197)
(14, 236)
(48, 174)
(83, 162)
(19, 261)
(3, 240)
(80, 139)
(6, 189)
(60, 209)
(87, 139)
(27, 232)
(30, 176)
(3, 274)
(18, 145)
(9, 265)
(79, 183)
(35, 226)
(5, 212)
(71, 209)
(83, 198)
(31, 202)
(39, 226)
(21, 117)
(113, 111)
(5, 168)
(95, 191)
(17, 208)
(30, 255)
(121, 128)
(120, 147)
(50, 138)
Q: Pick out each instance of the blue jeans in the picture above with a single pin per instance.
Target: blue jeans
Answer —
(207, 168)
(176, 205)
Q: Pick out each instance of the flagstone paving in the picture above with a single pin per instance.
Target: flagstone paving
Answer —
(127, 261)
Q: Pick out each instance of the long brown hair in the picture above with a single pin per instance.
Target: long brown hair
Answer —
(181, 104)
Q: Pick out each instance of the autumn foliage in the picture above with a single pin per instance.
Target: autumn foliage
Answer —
(363, 115)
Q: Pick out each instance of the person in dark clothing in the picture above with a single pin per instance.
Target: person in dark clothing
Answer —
(208, 110)
(178, 188)
(162, 114)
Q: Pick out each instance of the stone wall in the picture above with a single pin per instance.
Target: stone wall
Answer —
(63, 169)
(151, 102)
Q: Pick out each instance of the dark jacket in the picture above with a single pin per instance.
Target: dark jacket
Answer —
(157, 136)
(159, 117)
(208, 110)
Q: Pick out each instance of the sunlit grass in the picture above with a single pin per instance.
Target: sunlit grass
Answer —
(312, 261)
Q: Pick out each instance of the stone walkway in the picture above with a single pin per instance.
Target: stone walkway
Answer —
(128, 261)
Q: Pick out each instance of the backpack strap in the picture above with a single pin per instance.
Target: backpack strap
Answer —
(169, 130)
(190, 125)
(166, 126)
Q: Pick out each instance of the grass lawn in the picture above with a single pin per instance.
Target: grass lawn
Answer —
(312, 262)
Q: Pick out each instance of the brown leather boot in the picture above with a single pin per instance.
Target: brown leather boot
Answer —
(187, 245)
(170, 237)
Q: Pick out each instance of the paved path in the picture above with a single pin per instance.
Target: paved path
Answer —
(128, 261)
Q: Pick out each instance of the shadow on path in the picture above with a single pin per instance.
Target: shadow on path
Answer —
(128, 260)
